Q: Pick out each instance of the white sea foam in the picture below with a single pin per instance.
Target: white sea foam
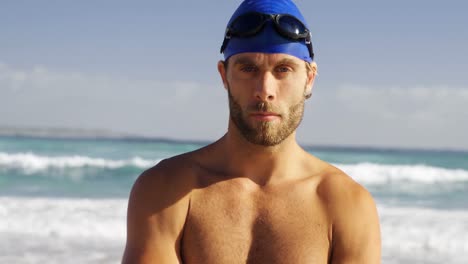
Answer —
(44, 230)
(61, 227)
(370, 173)
(64, 218)
(31, 163)
(366, 173)
(416, 235)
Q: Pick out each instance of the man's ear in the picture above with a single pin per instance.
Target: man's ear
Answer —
(311, 74)
(222, 73)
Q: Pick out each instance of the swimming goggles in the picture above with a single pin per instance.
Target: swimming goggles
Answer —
(250, 24)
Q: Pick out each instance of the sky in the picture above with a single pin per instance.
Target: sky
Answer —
(392, 74)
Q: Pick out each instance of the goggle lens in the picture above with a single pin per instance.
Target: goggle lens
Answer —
(293, 26)
(247, 24)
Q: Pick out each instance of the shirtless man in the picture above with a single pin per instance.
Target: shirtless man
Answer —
(255, 196)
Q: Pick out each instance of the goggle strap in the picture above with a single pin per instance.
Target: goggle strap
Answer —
(225, 41)
(309, 47)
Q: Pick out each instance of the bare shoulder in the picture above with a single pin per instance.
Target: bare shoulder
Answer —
(354, 218)
(157, 209)
(166, 183)
(339, 190)
(175, 171)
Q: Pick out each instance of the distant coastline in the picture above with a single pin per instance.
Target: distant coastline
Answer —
(84, 134)
(102, 134)
(54, 132)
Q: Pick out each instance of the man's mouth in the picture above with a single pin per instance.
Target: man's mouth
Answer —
(265, 116)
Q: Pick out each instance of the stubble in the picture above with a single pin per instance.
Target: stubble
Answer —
(266, 133)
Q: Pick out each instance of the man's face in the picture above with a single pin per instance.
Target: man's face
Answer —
(266, 95)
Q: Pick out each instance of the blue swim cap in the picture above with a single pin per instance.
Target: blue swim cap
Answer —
(268, 40)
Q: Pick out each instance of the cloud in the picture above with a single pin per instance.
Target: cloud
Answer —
(391, 116)
(44, 97)
(413, 103)
(418, 116)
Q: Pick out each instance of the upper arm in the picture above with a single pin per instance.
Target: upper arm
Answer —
(356, 230)
(157, 210)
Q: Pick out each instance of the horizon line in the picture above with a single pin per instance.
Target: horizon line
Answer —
(139, 138)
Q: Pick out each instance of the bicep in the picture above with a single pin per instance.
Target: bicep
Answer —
(356, 238)
(155, 220)
(147, 242)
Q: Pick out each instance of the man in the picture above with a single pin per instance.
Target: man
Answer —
(255, 196)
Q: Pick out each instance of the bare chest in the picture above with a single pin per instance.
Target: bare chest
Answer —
(230, 225)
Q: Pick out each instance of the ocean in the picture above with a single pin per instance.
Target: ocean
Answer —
(65, 200)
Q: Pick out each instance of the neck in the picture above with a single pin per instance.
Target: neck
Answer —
(261, 164)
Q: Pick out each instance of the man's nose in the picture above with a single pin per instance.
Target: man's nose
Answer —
(266, 87)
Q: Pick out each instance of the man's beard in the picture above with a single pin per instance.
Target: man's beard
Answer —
(266, 133)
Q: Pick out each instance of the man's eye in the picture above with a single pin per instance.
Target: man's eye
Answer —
(283, 69)
(248, 69)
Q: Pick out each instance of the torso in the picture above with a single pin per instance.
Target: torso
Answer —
(233, 220)
(306, 212)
